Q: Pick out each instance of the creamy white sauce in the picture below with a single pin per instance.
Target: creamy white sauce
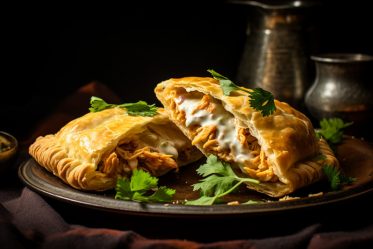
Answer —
(168, 148)
(227, 130)
(154, 139)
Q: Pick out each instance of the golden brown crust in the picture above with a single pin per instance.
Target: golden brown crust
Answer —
(75, 152)
(286, 137)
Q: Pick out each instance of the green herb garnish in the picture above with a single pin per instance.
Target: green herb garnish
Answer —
(261, 100)
(142, 188)
(332, 130)
(336, 177)
(140, 108)
(226, 84)
(219, 181)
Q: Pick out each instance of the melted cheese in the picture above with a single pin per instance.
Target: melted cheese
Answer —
(226, 127)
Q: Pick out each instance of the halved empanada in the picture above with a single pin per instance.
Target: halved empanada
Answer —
(90, 152)
(281, 150)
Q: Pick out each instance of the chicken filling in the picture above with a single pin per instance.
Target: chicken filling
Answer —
(153, 150)
(218, 132)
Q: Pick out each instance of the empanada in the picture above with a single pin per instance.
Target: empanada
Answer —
(280, 150)
(91, 151)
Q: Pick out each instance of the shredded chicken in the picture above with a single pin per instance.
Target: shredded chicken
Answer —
(111, 164)
(128, 157)
(205, 136)
(205, 103)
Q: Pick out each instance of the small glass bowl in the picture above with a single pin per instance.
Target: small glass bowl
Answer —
(8, 150)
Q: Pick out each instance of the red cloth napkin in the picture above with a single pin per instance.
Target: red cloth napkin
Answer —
(30, 221)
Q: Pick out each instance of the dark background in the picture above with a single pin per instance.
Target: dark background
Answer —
(48, 53)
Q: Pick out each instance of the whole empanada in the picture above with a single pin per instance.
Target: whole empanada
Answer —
(92, 151)
(280, 150)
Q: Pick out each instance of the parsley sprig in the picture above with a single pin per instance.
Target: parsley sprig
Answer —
(140, 108)
(142, 188)
(332, 129)
(336, 177)
(261, 100)
(219, 181)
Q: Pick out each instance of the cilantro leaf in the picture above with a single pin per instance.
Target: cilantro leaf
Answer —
(203, 200)
(123, 189)
(142, 187)
(163, 194)
(263, 101)
(332, 129)
(214, 185)
(142, 181)
(347, 179)
(226, 84)
(215, 166)
(140, 108)
(98, 104)
(219, 181)
(336, 178)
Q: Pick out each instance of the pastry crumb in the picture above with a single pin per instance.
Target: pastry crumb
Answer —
(233, 203)
(316, 194)
(178, 202)
(288, 198)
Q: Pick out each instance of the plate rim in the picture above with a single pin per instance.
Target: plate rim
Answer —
(95, 200)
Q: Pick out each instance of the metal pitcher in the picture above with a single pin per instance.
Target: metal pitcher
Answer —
(278, 47)
(343, 88)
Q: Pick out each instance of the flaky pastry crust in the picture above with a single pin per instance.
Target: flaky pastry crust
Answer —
(286, 146)
(90, 152)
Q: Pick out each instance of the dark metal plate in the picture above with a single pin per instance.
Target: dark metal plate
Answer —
(356, 157)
